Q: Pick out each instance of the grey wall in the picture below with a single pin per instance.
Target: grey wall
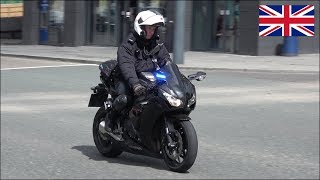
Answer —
(248, 27)
(75, 23)
(311, 44)
(30, 22)
(268, 45)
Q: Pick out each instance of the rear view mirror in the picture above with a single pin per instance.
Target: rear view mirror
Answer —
(199, 76)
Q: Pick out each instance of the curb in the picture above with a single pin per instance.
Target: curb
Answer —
(180, 66)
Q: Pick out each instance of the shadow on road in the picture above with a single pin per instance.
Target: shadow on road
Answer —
(124, 158)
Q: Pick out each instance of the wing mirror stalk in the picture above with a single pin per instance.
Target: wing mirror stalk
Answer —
(199, 76)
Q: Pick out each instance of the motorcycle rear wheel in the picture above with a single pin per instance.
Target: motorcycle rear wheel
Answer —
(189, 148)
(104, 146)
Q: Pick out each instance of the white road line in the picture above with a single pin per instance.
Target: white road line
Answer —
(37, 67)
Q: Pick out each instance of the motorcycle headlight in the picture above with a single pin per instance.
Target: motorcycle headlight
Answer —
(172, 100)
(192, 100)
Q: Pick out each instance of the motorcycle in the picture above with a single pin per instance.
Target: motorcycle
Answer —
(156, 125)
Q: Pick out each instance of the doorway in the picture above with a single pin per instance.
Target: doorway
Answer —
(215, 26)
(111, 21)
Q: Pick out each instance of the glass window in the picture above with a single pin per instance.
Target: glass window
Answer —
(104, 22)
(101, 15)
(56, 12)
(155, 5)
(152, 4)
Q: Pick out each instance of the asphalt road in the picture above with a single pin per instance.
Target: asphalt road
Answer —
(249, 125)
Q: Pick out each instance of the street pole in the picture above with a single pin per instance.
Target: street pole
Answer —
(178, 47)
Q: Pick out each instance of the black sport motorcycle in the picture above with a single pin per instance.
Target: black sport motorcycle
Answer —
(157, 124)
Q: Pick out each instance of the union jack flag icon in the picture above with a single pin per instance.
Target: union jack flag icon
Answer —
(286, 20)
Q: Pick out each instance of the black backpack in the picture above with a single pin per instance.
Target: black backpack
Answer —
(109, 69)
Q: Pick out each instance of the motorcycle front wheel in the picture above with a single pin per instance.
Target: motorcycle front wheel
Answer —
(182, 156)
(103, 144)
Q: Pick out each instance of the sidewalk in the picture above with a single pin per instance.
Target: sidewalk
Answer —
(193, 60)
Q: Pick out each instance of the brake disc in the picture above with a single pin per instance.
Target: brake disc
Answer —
(174, 152)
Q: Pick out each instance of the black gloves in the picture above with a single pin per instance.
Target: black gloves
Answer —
(139, 90)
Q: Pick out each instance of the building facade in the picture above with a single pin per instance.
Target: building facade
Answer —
(229, 26)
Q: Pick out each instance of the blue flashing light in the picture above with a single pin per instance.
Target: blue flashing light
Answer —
(160, 76)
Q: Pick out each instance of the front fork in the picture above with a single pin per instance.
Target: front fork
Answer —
(169, 128)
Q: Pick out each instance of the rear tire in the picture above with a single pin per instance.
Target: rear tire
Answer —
(104, 146)
(189, 147)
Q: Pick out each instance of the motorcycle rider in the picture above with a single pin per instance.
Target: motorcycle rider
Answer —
(141, 52)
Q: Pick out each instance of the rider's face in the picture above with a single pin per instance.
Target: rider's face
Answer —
(150, 31)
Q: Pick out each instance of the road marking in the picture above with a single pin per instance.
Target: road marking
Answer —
(37, 67)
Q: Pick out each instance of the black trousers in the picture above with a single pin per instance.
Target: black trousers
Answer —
(122, 88)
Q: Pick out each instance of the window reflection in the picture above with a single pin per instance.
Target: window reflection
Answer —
(105, 15)
(101, 15)
(56, 12)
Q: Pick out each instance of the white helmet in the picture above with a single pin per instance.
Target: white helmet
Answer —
(148, 17)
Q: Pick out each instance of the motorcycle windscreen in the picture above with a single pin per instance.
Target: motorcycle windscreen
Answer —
(174, 84)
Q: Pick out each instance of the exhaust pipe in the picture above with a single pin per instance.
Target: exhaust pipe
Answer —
(104, 132)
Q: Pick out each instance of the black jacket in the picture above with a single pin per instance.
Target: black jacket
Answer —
(132, 59)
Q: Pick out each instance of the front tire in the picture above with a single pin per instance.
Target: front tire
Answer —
(189, 147)
(103, 144)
